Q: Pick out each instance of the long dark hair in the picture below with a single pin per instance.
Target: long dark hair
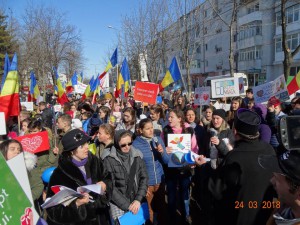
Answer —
(4, 147)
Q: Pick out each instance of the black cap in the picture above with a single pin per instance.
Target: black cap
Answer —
(246, 122)
(73, 139)
(286, 164)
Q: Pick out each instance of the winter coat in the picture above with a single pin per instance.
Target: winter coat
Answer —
(47, 117)
(122, 126)
(102, 148)
(152, 158)
(241, 185)
(69, 175)
(120, 178)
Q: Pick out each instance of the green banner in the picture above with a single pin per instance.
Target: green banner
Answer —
(14, 204)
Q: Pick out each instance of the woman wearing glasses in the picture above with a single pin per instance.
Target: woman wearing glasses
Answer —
(78, 167)
(130, 179)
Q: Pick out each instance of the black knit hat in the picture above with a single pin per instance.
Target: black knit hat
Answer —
(246, 122)
(73, 139)
(220, 112)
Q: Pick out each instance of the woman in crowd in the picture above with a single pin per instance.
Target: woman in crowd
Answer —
(221, 137)
(207, 117)
(154, 156)
(104, 113)
(130, 178)
(128, 121)
(77, 167)
(105, 136)
(178, 175)
(12, 148)
(180, 104)
(76, 114)
(67, 109)
(236, 103)
(157, 116)
(193, 121)
(24, 126)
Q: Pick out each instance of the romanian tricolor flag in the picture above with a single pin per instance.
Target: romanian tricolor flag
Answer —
(87, 92)
(112, 63)
(9, 96)
(123, 79)
(70, 85)
(61, 95)
(34, 91)
(294, 84)
(172, 75)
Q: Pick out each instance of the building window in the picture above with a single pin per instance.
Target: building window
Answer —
(198, 63)
(249, 54)
(250, 30)
(294, 70)
(198, 50)
(218, 49)
(205, 13)
(206, 62)
(219, 30)
(253, 8)
(206, 47)
(292, 15)
(205, 30)
(293, 40)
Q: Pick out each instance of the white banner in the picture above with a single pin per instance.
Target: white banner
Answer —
(277, 88)
(202, 96)
(2, 124)
(80, 87)
(226, 87)
(28, 105)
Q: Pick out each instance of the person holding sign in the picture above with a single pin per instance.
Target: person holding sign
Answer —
(178, 175)
(78, 167)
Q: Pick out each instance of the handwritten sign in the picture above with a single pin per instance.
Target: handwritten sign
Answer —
(277, 88)
(226, 87)
(14, 204)
(241, 86)
(146, 92)
(35, 143)
(80, 87)
(202, 96)
(57, 108)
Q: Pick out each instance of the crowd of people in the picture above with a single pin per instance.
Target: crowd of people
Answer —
(242, 174)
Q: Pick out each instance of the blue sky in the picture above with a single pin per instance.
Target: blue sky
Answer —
(92, 18)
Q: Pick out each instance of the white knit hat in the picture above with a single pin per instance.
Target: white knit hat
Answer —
(76, 124)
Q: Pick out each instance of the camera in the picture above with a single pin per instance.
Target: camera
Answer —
(289, 132)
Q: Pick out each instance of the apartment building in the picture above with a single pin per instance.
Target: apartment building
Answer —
(256, 40)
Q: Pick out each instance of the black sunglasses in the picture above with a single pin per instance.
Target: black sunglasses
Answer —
(124, 145)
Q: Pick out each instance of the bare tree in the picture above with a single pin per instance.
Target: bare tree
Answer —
(49, 41)
(288, 53)
(144, 36)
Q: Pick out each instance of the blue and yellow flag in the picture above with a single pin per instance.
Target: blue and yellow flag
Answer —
(172, 75)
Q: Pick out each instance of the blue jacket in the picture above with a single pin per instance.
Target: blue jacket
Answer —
(153, 159)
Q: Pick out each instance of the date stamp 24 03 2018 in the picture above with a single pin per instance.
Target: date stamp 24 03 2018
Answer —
(255, 205)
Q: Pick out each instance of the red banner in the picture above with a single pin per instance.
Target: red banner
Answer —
(35, 143)
(146, 92)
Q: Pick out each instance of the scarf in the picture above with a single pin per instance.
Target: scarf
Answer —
(83, 169)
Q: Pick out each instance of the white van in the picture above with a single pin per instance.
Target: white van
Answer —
(207, 81)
